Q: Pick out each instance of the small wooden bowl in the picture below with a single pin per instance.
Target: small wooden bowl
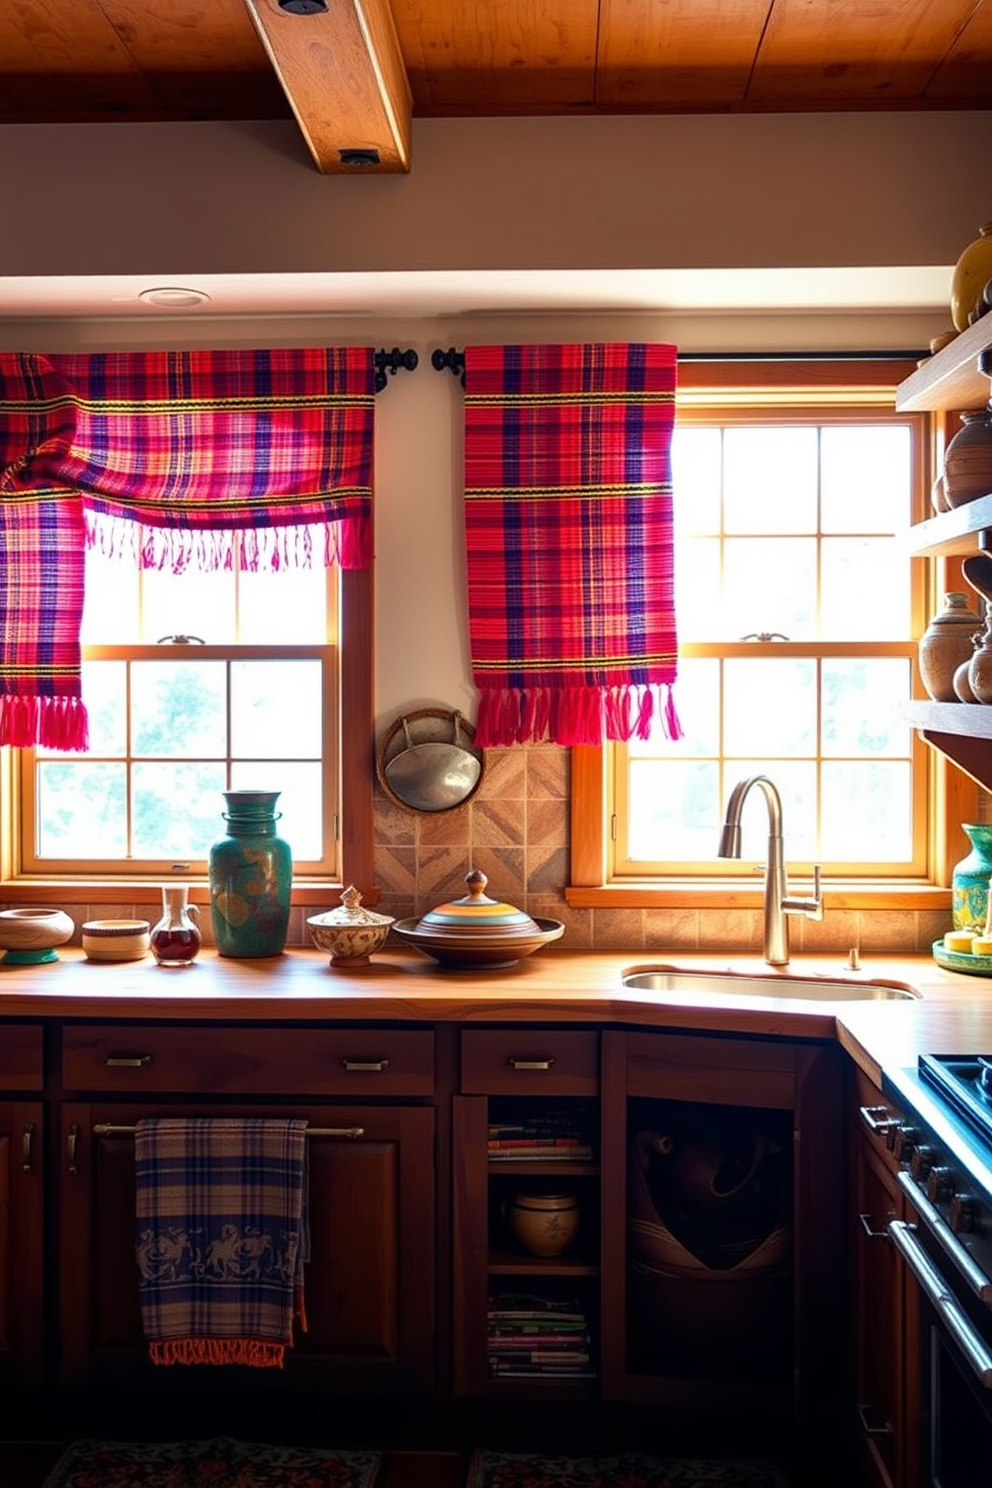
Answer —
(29, 936)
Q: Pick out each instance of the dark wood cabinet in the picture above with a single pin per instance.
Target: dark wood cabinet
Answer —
(723, 1245)
(22, 1206)
(542, 1080)
(370, 1280)
(881, 1323)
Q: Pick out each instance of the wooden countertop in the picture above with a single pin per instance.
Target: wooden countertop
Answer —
(952, 1015)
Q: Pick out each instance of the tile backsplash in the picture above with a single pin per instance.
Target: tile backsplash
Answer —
(515, 828)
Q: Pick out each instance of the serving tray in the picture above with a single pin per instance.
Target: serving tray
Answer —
(961, 961)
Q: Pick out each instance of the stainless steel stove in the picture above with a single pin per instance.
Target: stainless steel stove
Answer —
(940, 1132)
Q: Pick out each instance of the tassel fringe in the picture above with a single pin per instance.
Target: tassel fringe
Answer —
(344, 544)
(575, 715)
(251, 1351)
(52, 722)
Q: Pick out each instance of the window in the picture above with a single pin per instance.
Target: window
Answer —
(196, 683)
(797, 611)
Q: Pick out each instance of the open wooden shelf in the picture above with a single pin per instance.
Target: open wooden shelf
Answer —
(952, 532)
(962, 731)
(952, 378)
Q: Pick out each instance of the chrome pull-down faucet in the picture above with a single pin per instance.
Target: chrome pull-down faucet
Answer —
(779, 904)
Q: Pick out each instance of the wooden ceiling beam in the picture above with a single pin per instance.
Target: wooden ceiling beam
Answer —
(343, 73)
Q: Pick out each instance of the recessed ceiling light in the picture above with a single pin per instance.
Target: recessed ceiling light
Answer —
(170, 298)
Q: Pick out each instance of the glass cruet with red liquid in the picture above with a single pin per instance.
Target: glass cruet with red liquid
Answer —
(175, 940)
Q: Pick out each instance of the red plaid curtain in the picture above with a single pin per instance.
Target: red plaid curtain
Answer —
(164, 455)
(568, 517)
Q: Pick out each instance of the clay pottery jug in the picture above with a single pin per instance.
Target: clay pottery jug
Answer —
(968, 459)
(972, 272)
(938, 496)
(962, 682)
(980, 666)
(947, 641)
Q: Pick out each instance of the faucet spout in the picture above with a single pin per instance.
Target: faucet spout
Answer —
(778, 904)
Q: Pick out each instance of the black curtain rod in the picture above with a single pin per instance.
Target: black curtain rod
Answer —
(454, 361)
(392, 362)
(801, 356)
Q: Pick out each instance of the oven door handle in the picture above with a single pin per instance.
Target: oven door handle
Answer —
(974, 1350)
(942, 1232)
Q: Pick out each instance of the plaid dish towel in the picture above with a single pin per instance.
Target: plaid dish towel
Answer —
(221, 1238)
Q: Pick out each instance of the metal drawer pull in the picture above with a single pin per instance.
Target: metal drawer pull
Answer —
(105, 1129)
(127, 1061)
(874, 1234)
(26, 1143)
(942, 1232)
(864, 1412)
(373, 1065)
(71, 1145)
(876, 1118)
(529, 1064)
(944, 1304)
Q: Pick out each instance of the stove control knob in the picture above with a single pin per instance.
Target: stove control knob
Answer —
(962, 1215)
(940, 1184)
(903, 1143)
(921, 1162)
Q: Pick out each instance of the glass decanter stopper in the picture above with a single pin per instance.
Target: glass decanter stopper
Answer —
(175, 940)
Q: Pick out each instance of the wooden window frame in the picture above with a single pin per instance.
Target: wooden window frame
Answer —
(357, 775)
(953, 796)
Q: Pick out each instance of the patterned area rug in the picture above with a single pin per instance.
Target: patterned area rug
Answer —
(629, 1470)
(220, 1463)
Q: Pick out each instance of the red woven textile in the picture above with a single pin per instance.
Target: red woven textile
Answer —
(162, 456)
(568, 520)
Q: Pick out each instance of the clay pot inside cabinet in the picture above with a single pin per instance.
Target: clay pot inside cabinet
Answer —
(968, 459)
(947, 642)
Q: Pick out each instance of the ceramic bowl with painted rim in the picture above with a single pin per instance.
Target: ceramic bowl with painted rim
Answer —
(116, 940)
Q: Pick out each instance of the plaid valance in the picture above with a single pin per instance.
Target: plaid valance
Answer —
(165, 455)
(568, 517)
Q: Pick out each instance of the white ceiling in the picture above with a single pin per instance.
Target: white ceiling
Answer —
(484, 291)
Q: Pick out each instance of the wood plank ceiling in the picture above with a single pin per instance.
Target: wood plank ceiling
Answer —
(355, 73)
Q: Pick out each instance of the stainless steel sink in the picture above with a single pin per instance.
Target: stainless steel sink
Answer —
(672, 981)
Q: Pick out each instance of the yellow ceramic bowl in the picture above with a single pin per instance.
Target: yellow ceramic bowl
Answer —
(116, 940)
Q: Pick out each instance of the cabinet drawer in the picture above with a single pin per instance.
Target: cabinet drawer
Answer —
(532, 1061)
(21, 1065)
(262, 1061)
(721, 1071)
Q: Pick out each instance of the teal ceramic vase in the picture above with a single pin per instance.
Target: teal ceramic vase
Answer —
(251, 877)
(970, 880)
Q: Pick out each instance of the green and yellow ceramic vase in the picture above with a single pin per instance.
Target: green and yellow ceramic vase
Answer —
(251, 877)
(970, 880)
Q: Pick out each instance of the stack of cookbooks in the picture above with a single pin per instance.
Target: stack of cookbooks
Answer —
(535, 1336)
(541, 1134)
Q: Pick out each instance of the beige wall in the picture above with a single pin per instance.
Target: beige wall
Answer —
(685, 191)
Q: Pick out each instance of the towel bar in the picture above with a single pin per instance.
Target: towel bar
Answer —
(105, 1129)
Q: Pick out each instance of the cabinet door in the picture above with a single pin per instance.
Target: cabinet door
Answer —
(21, 1244)
(722, 1197)
(370, 1280)
(878, 1314)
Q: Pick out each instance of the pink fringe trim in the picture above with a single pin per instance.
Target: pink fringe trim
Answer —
(344, 544)
(251, 1351)
(52, 722)
(576, 715)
